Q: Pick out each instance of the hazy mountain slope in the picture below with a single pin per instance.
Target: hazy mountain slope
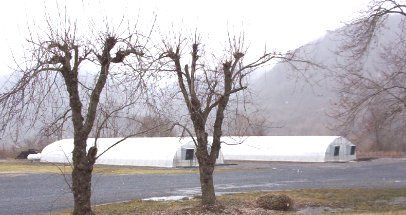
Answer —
(300, 102)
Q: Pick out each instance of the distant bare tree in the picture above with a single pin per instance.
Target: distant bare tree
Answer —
(361, 32)
(382, 84)
(241, 124)
(376, 133)
(54, 72)
(361, 88)
(375, 125)
(206, 86)
(156, 126)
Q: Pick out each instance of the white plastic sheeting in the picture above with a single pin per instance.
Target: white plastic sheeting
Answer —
(288, 148)
(156, 151)
(171, 151)
(34, 156)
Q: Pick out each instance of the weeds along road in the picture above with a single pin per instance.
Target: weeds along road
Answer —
(41, 193)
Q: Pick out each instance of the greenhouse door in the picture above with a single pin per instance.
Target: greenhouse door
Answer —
(189, 155)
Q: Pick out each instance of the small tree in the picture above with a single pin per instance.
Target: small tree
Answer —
(56, 65)
(206, 87)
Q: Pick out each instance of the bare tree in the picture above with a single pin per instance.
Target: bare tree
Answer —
(361, 32)
(380, 82)
(240, 124)
(376, 133)
(56, 64)
(156, 126)
(361, 88)
(206, 86)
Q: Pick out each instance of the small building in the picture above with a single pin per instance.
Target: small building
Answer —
(143, 151)
(289, 148)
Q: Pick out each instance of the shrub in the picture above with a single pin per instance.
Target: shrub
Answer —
(275, 202)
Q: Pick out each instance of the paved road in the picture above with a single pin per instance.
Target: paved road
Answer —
(37, 193)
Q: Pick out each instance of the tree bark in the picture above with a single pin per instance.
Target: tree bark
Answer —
(207, 185)
(81, 178)
(206, 166)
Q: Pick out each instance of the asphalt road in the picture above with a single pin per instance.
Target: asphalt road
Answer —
(41, 193)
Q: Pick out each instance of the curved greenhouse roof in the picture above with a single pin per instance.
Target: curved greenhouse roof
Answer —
(288, 148)
(175, 151)
(143, 151)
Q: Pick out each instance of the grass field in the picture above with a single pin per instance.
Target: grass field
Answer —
(26, 167)
(309, 201)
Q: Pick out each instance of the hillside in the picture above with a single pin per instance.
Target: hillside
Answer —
(300, 102)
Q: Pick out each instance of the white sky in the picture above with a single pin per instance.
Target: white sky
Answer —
(280, 24)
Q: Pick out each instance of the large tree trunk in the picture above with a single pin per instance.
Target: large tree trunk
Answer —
(207, 185)
(81, 179)
(206, 167)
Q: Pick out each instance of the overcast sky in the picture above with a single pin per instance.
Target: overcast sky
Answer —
(280, 24)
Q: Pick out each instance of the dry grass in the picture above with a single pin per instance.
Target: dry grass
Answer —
(26, 167)
(381, 154)
(342, 201)
(13, 166)
(20, 167)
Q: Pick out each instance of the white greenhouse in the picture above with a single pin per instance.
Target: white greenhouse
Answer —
(288, 148)
(143, 151)
(178, 152)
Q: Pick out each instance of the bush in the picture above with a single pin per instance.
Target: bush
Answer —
(7, 153)
(275, 202)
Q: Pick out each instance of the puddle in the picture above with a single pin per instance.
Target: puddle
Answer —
(224, 188)
(398, 201)
(187, 191)
(401, 200)
(321, 210)
(246, 186)
(168, 198)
